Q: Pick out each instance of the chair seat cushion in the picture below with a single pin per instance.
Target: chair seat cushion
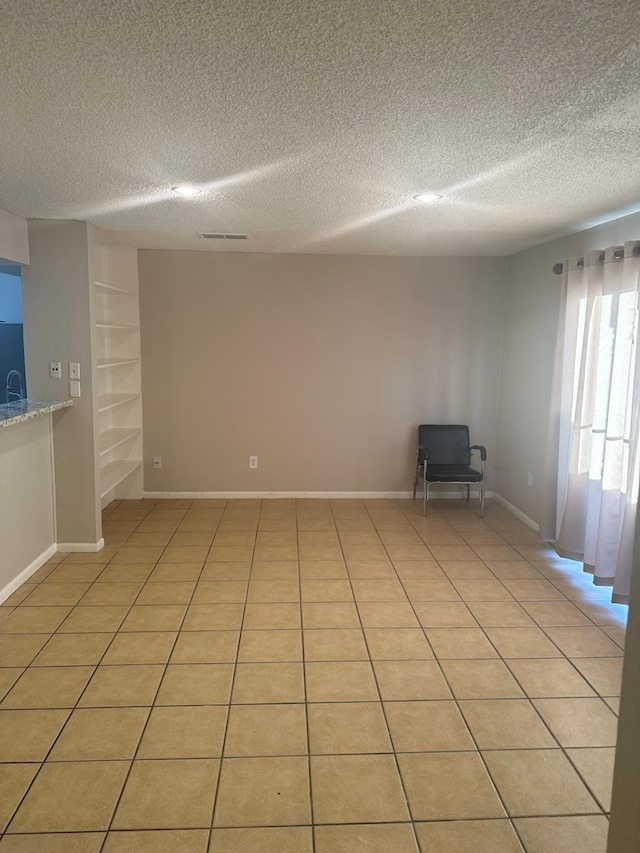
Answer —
(452, 474)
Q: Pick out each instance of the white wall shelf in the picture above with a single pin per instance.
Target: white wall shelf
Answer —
(112, 289)
(105, 363)
(112, 438)
(112, 401)
(115, 473)
(119, 326)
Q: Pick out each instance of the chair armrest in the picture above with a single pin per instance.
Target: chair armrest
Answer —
(483, 451)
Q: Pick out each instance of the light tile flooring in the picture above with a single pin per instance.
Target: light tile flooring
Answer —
(298, 676)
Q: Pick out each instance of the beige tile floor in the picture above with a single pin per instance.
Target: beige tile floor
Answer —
(298, 676)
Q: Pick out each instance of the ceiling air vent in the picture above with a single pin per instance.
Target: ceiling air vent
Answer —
(208, 235)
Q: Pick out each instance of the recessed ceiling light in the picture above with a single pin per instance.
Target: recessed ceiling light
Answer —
(186, 190)
(427, 198)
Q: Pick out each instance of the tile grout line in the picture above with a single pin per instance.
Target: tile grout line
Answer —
(129, 607)
(151, 706)
(519, 602)
(304, 683)
(380, 699)
(223, 745)
(538, 714)
(71, 710)
(454, 699)
(480, 755)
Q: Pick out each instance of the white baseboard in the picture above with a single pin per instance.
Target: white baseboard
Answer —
(268, 495)
(326, 495)
(518, 514)
(81, 547)
(25, 574)
(459, 495)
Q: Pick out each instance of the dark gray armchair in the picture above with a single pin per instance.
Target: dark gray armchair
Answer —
(444, 456)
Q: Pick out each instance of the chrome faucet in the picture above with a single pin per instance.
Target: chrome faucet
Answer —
(11, 375)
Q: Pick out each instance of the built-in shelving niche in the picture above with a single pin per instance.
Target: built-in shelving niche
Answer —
(118, 378)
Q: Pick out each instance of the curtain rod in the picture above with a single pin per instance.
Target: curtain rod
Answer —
(618, 255)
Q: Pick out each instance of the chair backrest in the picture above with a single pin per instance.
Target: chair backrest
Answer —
(448, 444)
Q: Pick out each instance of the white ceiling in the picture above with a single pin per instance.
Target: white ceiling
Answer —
(312, 123)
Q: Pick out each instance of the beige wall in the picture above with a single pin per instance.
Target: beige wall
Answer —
(322, 366)
(530, 328)
(57, 327)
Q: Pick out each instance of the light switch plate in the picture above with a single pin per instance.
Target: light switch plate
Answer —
(74, 370)
(74, 388)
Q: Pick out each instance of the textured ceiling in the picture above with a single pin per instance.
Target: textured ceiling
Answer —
(311, 124)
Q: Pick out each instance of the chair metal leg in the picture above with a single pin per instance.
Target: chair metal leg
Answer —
(425, 497)
(415, 479)
(482, 498)
(468, 492)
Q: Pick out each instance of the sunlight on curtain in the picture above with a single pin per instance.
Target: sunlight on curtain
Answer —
(599, 418)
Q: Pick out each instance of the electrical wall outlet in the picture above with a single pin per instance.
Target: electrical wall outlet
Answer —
(55, 370)
(74, 370)
(74, 388)
(529, 479)
(253, 462)
(157, 461)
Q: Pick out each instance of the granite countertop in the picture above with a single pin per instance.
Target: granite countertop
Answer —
(25, 410)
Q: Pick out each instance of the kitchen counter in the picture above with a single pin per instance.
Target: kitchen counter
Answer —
(26, 410)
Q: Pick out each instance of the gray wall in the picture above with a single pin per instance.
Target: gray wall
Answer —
(57, 327)
(320, 365)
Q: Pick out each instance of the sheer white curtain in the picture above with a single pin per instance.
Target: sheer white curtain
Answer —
(598, 416)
